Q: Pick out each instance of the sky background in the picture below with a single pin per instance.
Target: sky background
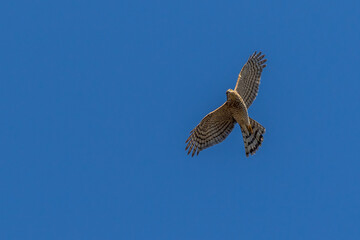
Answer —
(97, 99)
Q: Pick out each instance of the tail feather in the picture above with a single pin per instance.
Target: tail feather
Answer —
(252, 141)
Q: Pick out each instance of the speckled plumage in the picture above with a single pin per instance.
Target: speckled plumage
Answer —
(218, 124)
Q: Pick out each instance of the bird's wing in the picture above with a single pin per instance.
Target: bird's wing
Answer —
(249, 78)
(212, 129)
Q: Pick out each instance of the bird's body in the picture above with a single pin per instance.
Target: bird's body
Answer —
(218, 124)
(237, 108)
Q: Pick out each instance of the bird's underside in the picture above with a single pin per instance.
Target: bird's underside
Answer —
(218, 124)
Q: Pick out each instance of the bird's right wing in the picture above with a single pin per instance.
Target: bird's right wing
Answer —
(212, 129)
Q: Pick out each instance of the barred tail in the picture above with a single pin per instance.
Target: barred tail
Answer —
(252, 141)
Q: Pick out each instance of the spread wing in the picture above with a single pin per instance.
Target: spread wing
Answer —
(249, 78)
(212, 129)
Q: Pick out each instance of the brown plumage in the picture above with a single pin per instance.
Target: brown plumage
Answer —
(218, 124)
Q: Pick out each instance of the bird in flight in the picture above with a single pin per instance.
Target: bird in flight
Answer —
(218, 124)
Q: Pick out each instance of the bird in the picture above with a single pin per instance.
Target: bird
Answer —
(218, 124)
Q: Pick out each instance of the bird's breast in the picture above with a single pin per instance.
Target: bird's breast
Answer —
(239, 111)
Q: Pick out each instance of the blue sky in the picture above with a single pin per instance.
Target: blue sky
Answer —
(98, 97)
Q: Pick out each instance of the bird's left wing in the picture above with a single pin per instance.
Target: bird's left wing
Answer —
(212, 129)
(249, 78)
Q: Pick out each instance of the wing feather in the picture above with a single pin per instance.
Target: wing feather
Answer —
(249, 78)
(212, 129)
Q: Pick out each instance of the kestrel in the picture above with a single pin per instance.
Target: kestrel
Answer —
(218, 124)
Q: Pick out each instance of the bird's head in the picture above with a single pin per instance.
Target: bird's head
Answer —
(230, 94)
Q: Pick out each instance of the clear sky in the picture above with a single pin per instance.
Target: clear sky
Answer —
(97, 99)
